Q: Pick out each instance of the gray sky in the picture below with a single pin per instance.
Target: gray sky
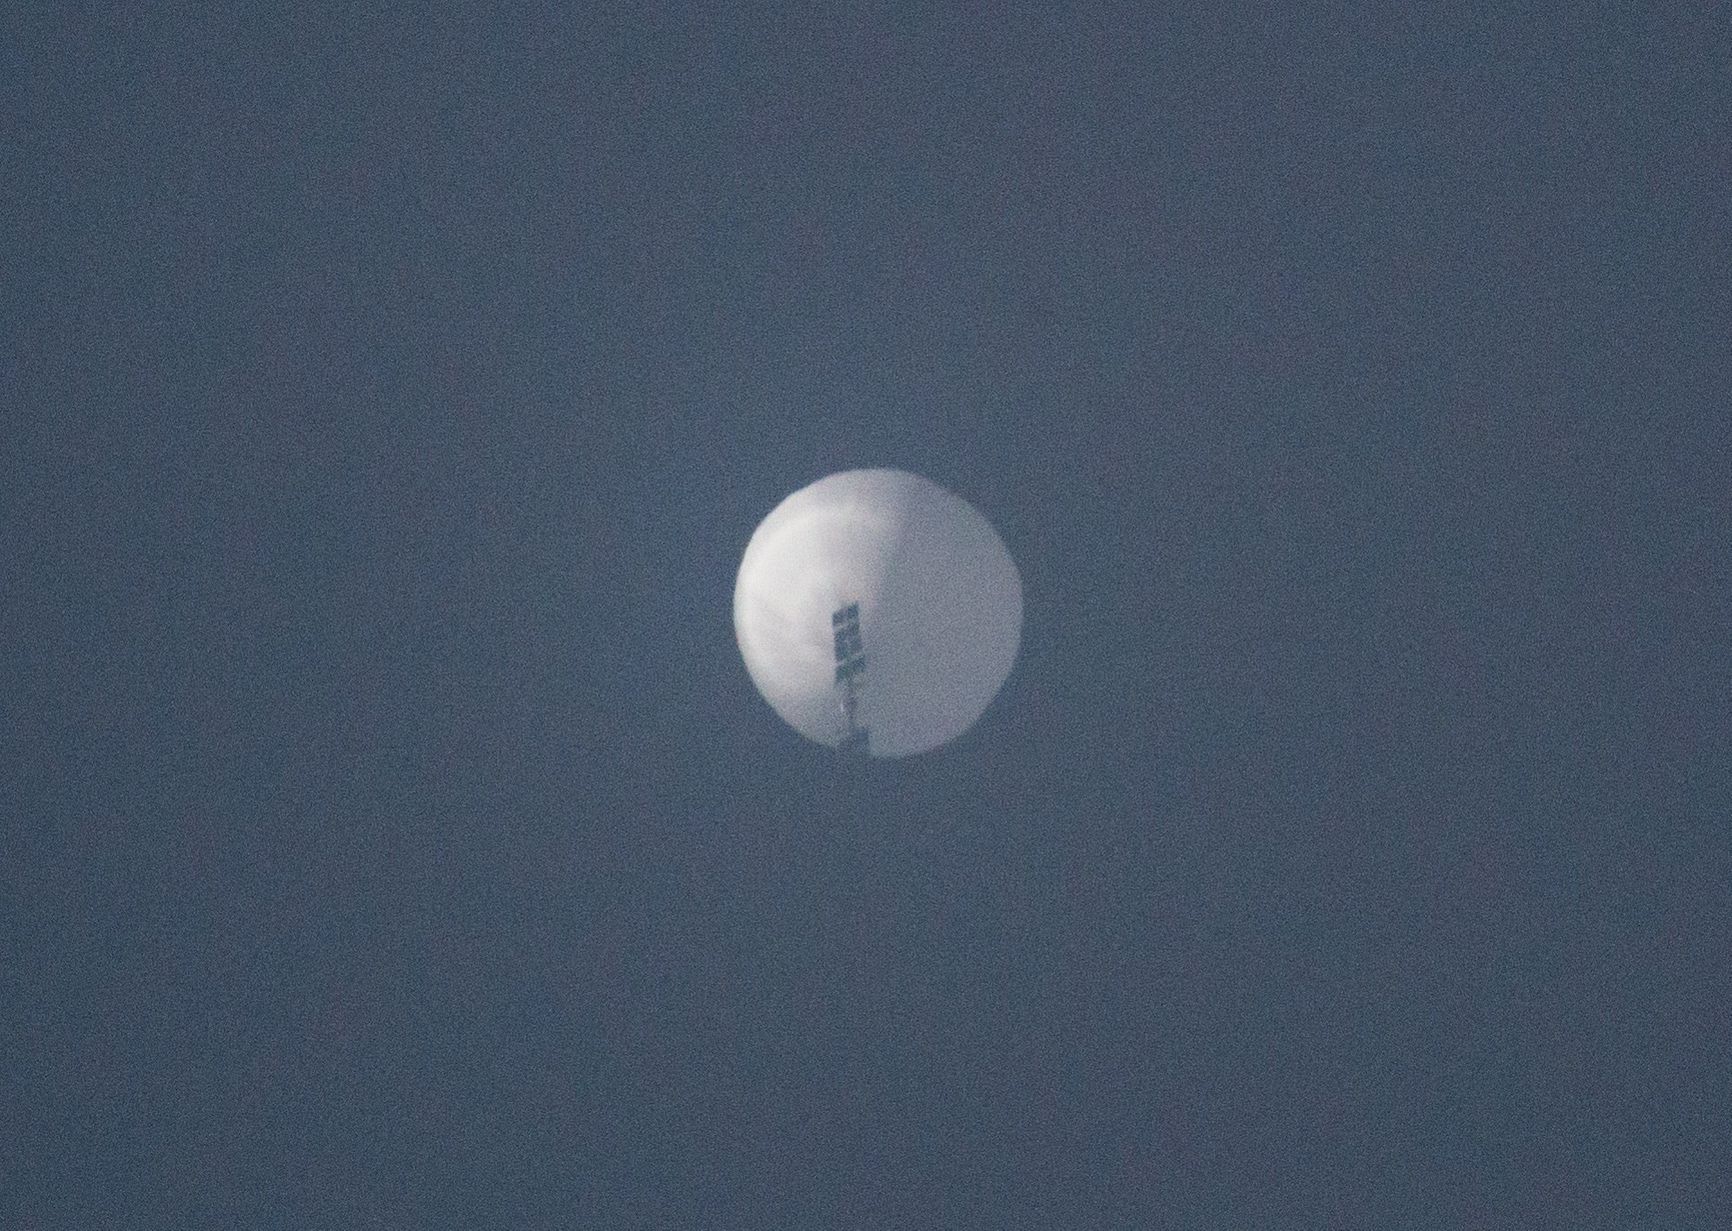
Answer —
(392, 836)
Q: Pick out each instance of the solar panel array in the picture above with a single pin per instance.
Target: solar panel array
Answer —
(850, 670)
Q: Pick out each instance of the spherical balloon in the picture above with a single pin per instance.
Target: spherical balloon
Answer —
(877, 612)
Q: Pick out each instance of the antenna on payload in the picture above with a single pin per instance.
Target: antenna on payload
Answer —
(850, 674)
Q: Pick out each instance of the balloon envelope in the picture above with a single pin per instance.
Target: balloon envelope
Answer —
(878, 611)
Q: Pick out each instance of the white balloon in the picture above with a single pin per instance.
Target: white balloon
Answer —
(938, 619)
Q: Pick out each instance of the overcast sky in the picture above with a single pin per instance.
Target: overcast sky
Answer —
(391, 833)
